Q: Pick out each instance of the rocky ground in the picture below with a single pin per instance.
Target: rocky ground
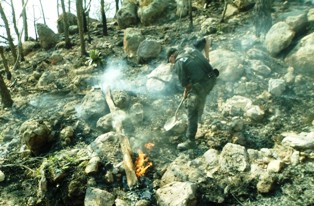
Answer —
(254, 146)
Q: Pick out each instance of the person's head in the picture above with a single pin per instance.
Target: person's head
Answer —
(199, 44)
(172, 54)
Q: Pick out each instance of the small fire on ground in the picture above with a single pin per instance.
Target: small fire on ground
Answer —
(142, 163)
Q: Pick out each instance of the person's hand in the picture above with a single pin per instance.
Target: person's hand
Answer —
(186, 90)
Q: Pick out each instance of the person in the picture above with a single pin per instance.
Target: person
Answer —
(198, 78)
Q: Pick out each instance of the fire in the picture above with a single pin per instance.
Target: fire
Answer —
(149, 146)
(141, 164)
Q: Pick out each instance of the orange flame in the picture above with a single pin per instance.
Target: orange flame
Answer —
(149, 145)
(141, 164)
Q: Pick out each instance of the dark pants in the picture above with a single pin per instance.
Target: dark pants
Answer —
(195, 104)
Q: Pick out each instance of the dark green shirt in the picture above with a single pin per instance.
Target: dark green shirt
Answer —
(192, 67)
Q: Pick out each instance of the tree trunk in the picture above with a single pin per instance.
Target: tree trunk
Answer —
(103, 18)
(66, 26)
(5, 63)
(117, 6)
(25, 25)
(20, 56)
(42, 12)
(79, 12)
(5, 94)
(9, 36)
(191, 16)
(36, 36)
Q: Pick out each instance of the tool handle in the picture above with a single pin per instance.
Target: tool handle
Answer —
(175, 114)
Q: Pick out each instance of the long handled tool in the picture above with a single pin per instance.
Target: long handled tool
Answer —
(172, 121)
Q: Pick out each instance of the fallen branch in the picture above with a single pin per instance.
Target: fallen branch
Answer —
(124, 141)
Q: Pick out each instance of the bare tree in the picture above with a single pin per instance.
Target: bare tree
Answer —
(117, 5)
(42, 12)
(6, 99)
(25, 25)
(9, 36)
(190, 16)
(103, 18)
(5, 63)
(35, 20)
(66, 26)
(20, 48)
(79, 13)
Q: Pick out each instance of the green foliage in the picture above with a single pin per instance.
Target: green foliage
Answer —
(94, 58)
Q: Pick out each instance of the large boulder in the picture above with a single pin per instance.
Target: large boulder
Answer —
(149, 11)
(278, 38)
(301, 58)
(93, 106)
(131, 41)
(161, 80)
(147, 50)
(47, 38)
(72, 20)
(229, 64)
(36, 135)
(127, 16)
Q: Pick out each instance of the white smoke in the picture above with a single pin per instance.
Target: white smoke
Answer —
(114, 76)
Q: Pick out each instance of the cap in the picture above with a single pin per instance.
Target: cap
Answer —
(170, 52)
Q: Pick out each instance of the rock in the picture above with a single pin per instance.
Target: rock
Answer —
(255, 113)
(259, 68)
(92, 166)
(126, 15)
(47, 38)
(276, 86)
(265, 184)
(229, 64)
(301, 57)
(236, 105)
(93, 106)
(98, 197)
(36, 135)
(142, 203)
(274, 166)
(231, 10)
(147, 50)
(29, 46)
(161, 80)
(131, 40)
(119, 202)
(66, 134)
(72, 20)
(290, 76)
(297, 23)
(149, 12)
(177, 194)
(278, 38)
(310, 15)
(211, 157)
(137, 113)
(107, 147)
(242, 4)
(301, 141)
(121, 99)
(181, 170)
(2, 176)
(233, 158)
(104, 123)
